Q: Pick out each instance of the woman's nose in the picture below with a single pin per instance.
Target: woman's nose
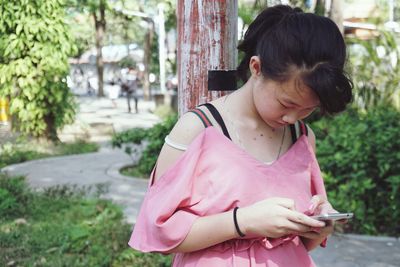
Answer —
(290, 118)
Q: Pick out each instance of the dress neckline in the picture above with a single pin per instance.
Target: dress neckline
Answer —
(301, 139)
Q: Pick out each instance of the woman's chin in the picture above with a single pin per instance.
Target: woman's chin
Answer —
(277, 125)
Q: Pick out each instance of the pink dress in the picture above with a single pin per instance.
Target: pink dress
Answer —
(213, 176)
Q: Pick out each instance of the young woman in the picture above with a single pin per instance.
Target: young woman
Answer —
(237, 179)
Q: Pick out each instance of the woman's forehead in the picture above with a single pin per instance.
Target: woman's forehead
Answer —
(298, 93)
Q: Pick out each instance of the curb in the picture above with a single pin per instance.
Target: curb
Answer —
(113, 171)
(369, 238)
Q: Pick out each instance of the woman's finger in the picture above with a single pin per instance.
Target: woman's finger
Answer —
(292, 227)
(326, 208)
(301, 218)
(309, 235)
(315, 202)
(343, 221)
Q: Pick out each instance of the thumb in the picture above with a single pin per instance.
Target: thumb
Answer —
(315, 202)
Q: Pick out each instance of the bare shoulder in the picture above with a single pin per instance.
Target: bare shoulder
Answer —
(311, 138)
(186, 129)
(183, 133)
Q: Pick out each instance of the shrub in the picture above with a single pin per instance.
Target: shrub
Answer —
(14, 196)
(375, 70)
(152, 139)
(78, 147)
(360, 155)
(64, 226)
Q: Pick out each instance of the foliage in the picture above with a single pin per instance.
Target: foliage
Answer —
(17, 153)
(121, 29)
(360, 154)
(78, 147)
(81, 29)
(164, 111)
(129, 256)
(63, 227)
(12, 157)
(34, 47)
(14, 197)
(127, 62)
(152, 138)
(375, 70)
(131, 171)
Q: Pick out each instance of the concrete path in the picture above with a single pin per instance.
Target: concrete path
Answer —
(103, 168)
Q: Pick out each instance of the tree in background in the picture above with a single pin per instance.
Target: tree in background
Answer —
(35, 44)
(146, 23)
(330, 8)
(97, 10)
(116, 27)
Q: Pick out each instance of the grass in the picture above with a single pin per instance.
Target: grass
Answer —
(25, 151)
(64, 226)
(133, 171)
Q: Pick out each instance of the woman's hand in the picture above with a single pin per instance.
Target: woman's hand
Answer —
(275, 217)
(319, 234)
(319, 205)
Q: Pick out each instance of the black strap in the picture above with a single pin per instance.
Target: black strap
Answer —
(302, 129)
(214, 112)
(293, 133)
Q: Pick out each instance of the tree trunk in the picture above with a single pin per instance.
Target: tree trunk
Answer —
(320, 8)
(336, 14)
(100, 24)
(207, 39)
(147, 58)
(51, 131)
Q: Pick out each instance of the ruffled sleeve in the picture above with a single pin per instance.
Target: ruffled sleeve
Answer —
(168, 210)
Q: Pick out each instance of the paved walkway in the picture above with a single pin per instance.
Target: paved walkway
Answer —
(102, 168)
(86, 170)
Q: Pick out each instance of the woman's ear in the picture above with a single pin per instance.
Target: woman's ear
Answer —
(255, 66)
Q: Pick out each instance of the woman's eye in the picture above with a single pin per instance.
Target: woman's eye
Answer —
(283, 105)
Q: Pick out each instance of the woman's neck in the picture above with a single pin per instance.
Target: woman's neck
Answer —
(242, 106)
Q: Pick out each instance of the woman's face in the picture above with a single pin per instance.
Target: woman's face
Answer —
(282, 103)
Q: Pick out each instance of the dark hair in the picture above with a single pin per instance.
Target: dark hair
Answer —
(285, 37)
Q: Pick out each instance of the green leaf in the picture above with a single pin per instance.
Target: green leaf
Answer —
(19, 29)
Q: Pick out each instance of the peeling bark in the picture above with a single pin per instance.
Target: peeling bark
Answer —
(207, 40)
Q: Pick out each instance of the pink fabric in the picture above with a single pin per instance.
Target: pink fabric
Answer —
(213, 176)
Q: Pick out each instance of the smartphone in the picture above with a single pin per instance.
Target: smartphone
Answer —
(333, 216)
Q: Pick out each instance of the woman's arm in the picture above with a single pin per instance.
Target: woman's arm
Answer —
(272, 217)
(208, 231)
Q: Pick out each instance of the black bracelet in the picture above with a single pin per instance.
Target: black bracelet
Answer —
(236, 223)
